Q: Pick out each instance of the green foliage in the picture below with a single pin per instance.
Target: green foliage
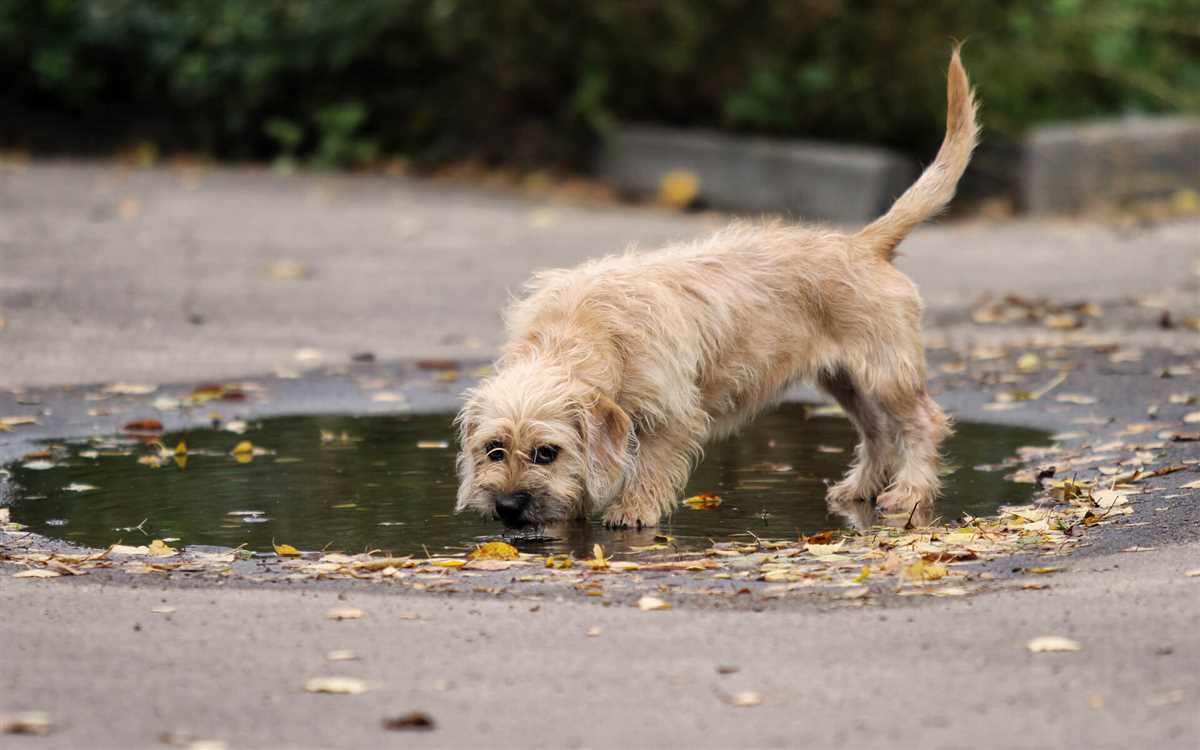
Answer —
(536, 81)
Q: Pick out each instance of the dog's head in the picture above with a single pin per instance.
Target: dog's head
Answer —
(540, 447)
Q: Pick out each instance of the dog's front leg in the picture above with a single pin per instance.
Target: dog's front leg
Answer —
(663, 464)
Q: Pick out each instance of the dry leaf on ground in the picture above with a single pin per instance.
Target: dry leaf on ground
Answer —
(495, 551)
(345, 613)
(414, 721)
(650, 603)
(336, 685)
(27, 722)
(1050, 643)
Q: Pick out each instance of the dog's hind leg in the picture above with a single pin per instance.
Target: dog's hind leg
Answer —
(876, 451)
(920, 426)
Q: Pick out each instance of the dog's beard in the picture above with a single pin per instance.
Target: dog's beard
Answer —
(544, 509)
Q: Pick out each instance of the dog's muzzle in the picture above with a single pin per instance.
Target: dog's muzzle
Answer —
(511, 508)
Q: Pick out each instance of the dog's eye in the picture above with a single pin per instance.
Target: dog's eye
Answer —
(495, 450)
(545, 454)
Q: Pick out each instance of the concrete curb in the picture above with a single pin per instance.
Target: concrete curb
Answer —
(804, 180)
(1071, 168)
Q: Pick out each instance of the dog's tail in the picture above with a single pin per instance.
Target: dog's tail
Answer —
(935, 187)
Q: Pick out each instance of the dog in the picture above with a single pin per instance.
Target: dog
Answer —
(617, 372)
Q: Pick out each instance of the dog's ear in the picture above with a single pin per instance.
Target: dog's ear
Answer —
(611, 448)
(464, 462)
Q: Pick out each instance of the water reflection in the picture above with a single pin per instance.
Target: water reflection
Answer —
(386, 483)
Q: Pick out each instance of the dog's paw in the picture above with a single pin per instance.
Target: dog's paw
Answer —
(617, 517)
(905, 500)
(847, 491)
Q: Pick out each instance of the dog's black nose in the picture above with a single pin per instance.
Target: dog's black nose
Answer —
(511, 507)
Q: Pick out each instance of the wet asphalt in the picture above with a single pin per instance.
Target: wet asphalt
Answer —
(164, 277)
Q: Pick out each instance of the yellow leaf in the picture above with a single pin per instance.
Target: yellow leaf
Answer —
(1049, 643)
(159, 548)
(181, 448)
(336, 685)
(448, 563)
(862, 574)
(597, 562)
(244, 448)
(1043, 569)
(703, 501)
(1029, 362)
(679, 188)
(285, 550)
(495, 551)
(925, 571)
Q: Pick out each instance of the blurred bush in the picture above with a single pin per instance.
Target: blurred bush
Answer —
(341, 82)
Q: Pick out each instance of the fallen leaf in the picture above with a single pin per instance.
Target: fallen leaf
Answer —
(37, 573)
(1049, 643)
(745, 699)
(1192, 573)
(494, 551)
(345, 613)
(1192, 418)
(651, 603)
(129, 389)
(679, 188)
(163, 610)
(1043, 569)
(415, 721)
(1191, 485)
(336, 685)
(27, 722)
(159, 548)
(594, 631)
(703, 501)
(144, 425)
(285, 550)
(288, 270)
(341, 655)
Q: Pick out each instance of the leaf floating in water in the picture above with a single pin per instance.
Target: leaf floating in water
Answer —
(703, 501)
(336, 685)
(495, 551)
(285, 550)
(144, 425)
(38, 465)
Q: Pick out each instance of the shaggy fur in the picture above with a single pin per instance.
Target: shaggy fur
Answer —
(628, 364)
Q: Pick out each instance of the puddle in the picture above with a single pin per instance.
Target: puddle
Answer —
(361, 483)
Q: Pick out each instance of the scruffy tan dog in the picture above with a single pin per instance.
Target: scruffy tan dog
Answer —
(617, 372)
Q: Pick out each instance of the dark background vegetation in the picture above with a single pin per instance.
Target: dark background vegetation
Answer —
(536, 82)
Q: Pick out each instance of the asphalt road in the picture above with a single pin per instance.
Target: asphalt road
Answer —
(163, 277)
